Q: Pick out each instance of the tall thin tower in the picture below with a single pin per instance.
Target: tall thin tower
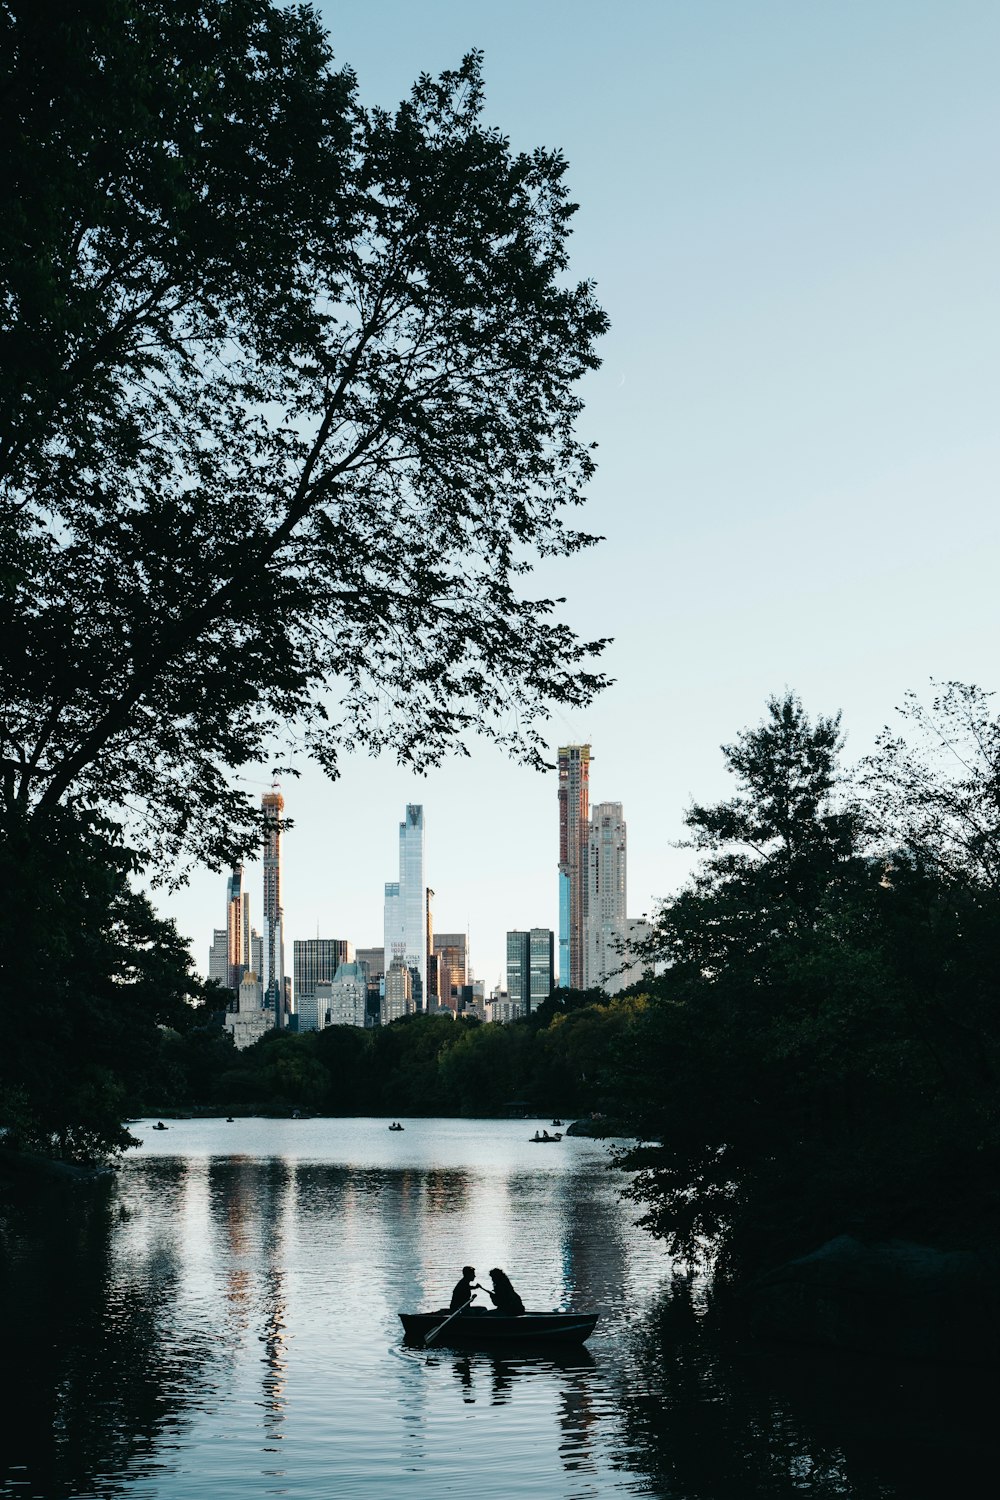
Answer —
(574, 833)
(406, 906)
(237, 929)
(606, 897)
(273, 805)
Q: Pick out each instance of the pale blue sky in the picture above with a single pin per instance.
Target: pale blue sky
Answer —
(791, 213)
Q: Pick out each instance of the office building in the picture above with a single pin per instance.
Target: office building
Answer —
(541, 966)
(530, 968)
(605, 926)
(519, 971)
(218, 957)
(315, 961)
(574, 832)
(273, 978)
(405, 915)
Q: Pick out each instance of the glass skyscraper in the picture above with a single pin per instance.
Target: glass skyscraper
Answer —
(406, 906)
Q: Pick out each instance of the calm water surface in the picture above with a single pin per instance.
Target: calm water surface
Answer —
(222, 1320)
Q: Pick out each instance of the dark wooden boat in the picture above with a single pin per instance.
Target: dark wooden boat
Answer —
(481, 1326)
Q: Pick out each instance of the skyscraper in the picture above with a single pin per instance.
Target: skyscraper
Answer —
(406, 906)
(519, 971)
(237, 928)
(541, 966)
(431, 986)
(398, 999)
(574, 828)
(218, 957)
(606, 923)
(273, 977)
(530, 968)
(315, 961)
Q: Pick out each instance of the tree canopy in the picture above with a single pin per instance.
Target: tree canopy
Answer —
(287, 413)
(821, 1049)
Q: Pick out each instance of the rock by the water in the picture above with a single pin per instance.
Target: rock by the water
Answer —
(892, 1298)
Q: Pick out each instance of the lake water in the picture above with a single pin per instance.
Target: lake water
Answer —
(221, 1320)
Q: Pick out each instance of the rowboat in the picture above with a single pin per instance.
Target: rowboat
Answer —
(481, 1326)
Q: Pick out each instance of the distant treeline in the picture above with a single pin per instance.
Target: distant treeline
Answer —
(815, 1049)
(562, 1060)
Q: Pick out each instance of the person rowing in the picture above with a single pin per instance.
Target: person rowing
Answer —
(464, 1289)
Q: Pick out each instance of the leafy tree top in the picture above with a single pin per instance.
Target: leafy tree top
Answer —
(287, 414)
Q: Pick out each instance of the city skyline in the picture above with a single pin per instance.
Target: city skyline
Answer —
(797, 447)
(419, 971)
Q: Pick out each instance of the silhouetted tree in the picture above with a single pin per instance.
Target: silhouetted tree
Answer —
(822, 1051)
(286, 414)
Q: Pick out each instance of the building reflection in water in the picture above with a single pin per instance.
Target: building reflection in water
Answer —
(252, 1204)
(100, 1364)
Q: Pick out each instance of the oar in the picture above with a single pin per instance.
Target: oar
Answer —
(430, 1337)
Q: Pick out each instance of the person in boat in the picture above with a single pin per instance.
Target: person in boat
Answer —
(505, 1299)
(463, 1289)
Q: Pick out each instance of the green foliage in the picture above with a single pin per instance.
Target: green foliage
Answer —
(90, 976)
(422, 1065)
(823, 1051)
(287, 412)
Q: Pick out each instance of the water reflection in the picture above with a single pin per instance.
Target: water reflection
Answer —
(713, 1417)
(227, 1323)
(95, 1376)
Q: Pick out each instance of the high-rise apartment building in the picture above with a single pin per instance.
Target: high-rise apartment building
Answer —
(346, 996)
(249, 1021)
(398, 998)
(406, 906)
(574, 830)
(431, 983)
(237, 928)
(606, 898)
(273, 977)
(315, 961)
(635, 963)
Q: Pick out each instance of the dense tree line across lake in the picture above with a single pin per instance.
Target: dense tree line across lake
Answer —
(816, 1047)
(562, 1060)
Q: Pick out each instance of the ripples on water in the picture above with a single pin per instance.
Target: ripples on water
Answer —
(222, 1320)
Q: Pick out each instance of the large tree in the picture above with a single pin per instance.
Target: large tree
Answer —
(934, 786)
(821, 1051)
(287, 412)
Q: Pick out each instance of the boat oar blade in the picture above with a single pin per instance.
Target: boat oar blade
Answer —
(430, 1337)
